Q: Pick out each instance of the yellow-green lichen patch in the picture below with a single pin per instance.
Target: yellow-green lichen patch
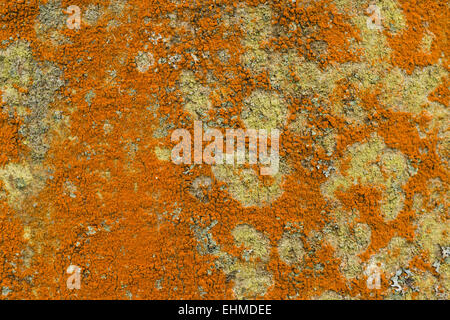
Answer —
(256, 23)
(432, 230)
(19, 182)
(252, 281)
(290, 248)
(409, 93)
(264, 110)
(396, 255)
(162, 154)
(249, 273)
(330, 295)
(255, 241)
(392, 14)
(372, 163)
(196, 96)
(245, 186)
(427, 41)
(117, 6)
(16, 65)
(311, 79)
(348, 241)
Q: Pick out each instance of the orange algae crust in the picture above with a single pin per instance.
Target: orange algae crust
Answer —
(86, 177)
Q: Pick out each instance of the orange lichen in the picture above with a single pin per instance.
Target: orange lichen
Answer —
(9, 139)
(134, 222)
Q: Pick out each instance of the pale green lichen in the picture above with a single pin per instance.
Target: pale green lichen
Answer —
(19, 182)
(264, 110)
(196, 96)
(372, 163)
(245, 186)
(162, 154)
(290, 248)
(249, 237)
(410, 92)
(250, 274)
(396, 255)
(348, 242)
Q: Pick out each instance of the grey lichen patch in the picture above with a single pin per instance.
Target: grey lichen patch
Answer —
(112, 24)
(206, 243)
(144, 60)
(290, 248)
(29, 88)
(70, 189)
(162, 130)
(51, 15)
(93, 14)
(89, 96)
(47, 81)
(200, 188)
(40, 81)
(117, 6)
(403, 283)
(223, 56)
(372, 163)
(50, 22)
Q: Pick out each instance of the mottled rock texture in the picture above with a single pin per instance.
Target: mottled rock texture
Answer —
(90, 95)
